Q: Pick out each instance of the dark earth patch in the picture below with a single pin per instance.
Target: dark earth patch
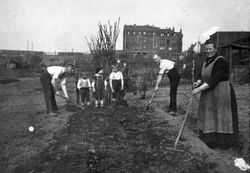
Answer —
(7, 81)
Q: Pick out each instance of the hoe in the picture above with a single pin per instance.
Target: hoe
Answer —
(182, 127)
(83, 108)
(151, 99)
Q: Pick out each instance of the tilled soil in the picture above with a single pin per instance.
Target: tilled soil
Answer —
(113, 139)
(121, 139)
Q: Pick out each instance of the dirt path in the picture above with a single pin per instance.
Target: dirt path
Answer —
(222, 158)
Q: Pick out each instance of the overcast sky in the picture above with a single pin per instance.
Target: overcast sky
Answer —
(60, 25)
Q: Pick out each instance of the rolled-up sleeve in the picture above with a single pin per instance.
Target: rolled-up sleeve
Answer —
(63, 82)
(111, 76)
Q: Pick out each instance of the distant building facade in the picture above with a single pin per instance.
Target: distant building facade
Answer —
(148, 40)
(224, 38)
(73, 54)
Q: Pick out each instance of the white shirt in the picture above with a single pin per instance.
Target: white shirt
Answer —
(165, 66)
(116, 75)
(55, 71)
(83, 83)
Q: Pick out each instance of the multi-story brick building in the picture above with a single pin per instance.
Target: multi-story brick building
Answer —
(148, 40)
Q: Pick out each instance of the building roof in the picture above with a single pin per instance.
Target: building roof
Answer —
(243, 43)
(228, 32)
(140, 27)
(148, 28)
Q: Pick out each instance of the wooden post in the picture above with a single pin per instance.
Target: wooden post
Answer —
(193, 68)
(76, 80)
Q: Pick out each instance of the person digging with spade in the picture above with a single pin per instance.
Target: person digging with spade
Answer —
(168, 67)
(49, 77)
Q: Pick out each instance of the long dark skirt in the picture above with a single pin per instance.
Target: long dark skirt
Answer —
(224, 139)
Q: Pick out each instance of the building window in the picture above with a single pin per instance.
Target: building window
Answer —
(154, 33)
(144, 39)
(144, 46)
(128, 33)
(173, 41)
(154, 39)
(139, 33)
(162, 34)
(144, 33)
(162, 48)
(134, 33)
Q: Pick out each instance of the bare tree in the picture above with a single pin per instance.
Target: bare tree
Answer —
(103, 46)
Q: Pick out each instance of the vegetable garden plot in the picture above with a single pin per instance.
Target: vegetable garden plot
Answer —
(115, 140)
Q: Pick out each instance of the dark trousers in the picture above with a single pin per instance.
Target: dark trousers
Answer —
(117, 84)
(174, 79)
(48, 91)
(85, 94)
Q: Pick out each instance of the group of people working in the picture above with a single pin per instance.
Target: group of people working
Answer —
(217, 114)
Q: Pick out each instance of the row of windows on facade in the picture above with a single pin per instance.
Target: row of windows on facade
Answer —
(154, 47)
(150, 33)
(155, 40)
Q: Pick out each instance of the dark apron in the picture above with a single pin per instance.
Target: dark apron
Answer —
(215, 112)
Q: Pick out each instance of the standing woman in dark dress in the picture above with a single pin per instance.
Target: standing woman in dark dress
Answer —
(217, 114)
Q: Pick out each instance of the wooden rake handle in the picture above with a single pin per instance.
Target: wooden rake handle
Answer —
(151, 99)
(183, 124)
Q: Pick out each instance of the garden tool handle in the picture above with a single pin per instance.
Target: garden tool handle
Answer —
(71, 102)
(183, 124)
(151, 99)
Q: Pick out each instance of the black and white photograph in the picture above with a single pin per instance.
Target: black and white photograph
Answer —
(124, 86)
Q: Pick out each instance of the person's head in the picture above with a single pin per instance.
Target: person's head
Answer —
(99, 70)
(115, 68)
(84, 75)
(181, 57)
(157, 58)
(124, 64)
(69, 68)
(118, 61)
(210, 48)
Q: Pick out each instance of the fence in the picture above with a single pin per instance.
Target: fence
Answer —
(240, 74)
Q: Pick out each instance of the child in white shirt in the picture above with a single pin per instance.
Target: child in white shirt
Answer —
(84, 87)
(116, 82)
